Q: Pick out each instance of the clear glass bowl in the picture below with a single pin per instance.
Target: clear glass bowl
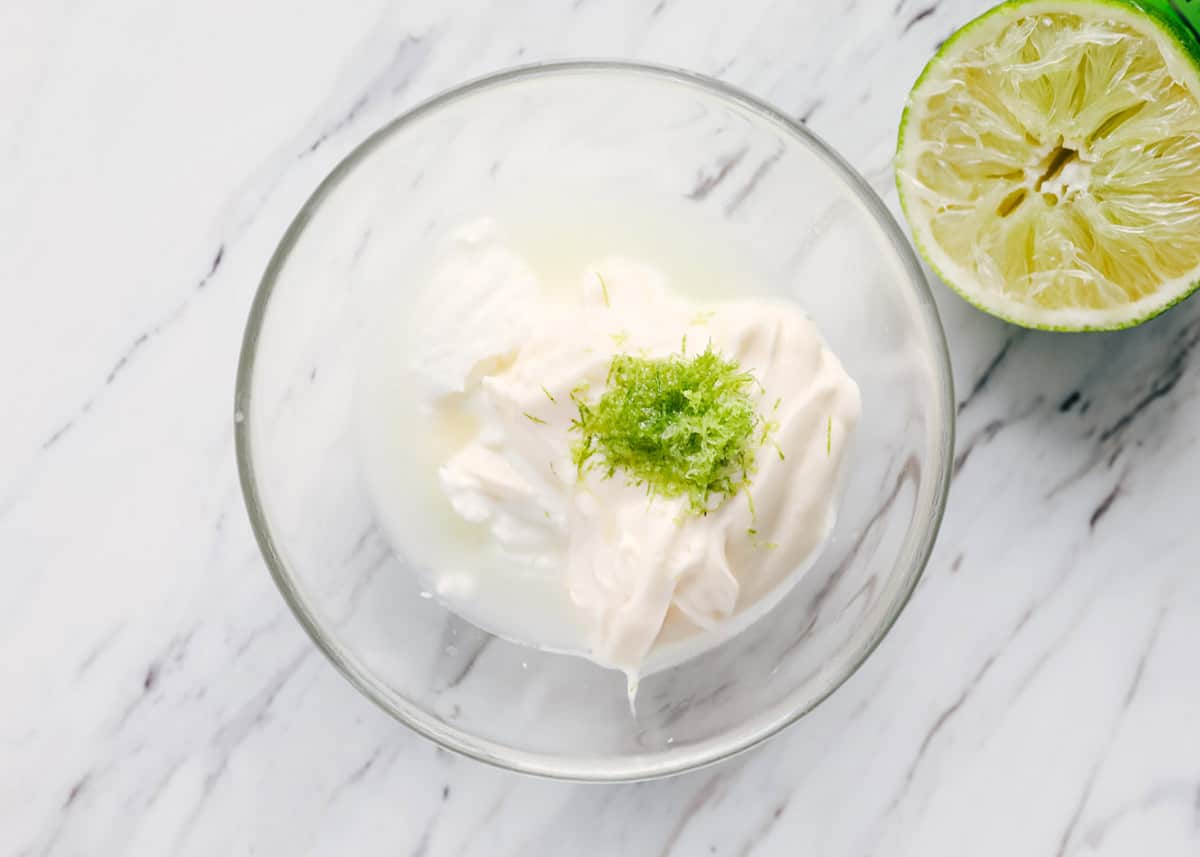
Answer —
(816, 232)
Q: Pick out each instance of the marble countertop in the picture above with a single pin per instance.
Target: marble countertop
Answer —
(1039, 696)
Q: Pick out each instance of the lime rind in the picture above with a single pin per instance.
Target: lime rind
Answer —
(683, 425)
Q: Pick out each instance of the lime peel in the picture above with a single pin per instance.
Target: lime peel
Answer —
(681, 426)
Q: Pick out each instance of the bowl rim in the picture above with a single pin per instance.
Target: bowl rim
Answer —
(578, 768)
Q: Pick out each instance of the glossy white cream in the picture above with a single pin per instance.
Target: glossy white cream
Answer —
(632, 579)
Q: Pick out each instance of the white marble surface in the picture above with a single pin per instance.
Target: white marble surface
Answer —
(1040, 696)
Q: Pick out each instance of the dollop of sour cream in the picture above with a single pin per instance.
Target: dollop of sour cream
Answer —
(511, 354)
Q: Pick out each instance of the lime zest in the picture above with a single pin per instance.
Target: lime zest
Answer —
(759, 544)
(549, 395)
(829, 436)
(681, 426)
(769, 427)
(537, 420)
(604, 289)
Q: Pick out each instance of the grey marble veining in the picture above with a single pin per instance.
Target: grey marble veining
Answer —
(1039, 696)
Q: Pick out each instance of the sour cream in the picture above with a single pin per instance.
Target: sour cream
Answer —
(578, 561)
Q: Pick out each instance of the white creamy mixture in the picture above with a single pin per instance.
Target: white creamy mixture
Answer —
(585, 563)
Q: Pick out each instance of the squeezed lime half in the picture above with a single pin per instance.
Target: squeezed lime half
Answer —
(1049, 162)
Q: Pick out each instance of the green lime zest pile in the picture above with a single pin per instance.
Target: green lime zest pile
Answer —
(680, 425)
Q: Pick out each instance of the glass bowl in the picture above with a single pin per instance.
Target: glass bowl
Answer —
(814, 232)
